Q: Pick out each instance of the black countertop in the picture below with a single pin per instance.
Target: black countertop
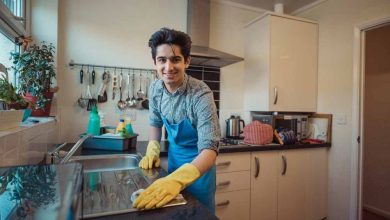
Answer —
(141, 148)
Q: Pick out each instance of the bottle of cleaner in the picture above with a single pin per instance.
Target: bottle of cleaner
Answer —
(94, 122)
(120, 126)
(129, 128)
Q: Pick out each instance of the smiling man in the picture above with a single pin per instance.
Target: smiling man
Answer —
(186, 108)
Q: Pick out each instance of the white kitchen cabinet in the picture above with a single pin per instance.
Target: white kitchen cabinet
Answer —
(264, 185)
(232, 196)
(281, 54)
(289, 184)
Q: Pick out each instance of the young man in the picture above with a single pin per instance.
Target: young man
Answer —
(186, 108)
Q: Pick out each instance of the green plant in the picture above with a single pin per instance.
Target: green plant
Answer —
(9, 94)
(35, 69)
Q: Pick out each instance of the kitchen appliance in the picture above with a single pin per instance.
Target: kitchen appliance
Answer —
(198, 27)
(233, 127)
(288, 121)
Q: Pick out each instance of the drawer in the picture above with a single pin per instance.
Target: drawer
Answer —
(232, 205)
(233, 162)
(233, 181)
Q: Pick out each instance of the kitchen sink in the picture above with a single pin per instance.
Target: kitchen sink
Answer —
(110, 162)
(110, 180)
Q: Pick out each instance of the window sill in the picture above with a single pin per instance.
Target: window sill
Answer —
(29, 123)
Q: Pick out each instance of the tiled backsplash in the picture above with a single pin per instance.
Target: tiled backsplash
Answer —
(27, 145)
(209, 75)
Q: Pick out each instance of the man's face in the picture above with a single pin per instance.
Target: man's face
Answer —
(170, 65)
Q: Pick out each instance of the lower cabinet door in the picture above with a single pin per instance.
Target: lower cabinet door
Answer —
(233, 205)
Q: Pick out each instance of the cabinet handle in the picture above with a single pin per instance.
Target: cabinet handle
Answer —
(275, 95)
(224, 183)
(284, 165)
(224, 203)
(257, 162)
(227, 163)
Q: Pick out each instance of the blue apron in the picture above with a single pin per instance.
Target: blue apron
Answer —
(183, 140)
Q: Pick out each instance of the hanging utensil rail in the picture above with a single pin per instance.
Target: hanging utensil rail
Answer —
(72, 64)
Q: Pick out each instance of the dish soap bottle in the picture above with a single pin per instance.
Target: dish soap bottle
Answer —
(120, 126)
(94, 122)
(129, 128)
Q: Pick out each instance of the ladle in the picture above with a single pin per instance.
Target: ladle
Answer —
(128, 100)
(133, 102)
(121, 104)
(140, 93)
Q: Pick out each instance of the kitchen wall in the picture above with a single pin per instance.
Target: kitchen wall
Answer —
(376, 164)
(117, 35)
(337, 20)
(108, 33)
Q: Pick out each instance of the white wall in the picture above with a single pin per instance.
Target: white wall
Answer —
(337, 20)
(227, 34)
(113, 33)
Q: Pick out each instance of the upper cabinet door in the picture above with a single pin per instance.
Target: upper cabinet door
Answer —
(281, 54)
(293, 65)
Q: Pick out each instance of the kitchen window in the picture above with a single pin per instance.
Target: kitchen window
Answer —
(13, 25)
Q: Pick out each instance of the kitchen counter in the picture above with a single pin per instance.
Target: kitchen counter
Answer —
(193, 209)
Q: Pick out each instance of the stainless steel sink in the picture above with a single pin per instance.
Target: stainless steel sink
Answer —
(110, 162)
(109, 181)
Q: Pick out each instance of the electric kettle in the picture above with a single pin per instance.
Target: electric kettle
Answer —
(233, 128)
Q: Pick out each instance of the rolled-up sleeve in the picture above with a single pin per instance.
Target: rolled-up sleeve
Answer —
(154, 111)
(209, 132)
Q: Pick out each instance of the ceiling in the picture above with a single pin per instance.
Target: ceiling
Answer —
(289, 5)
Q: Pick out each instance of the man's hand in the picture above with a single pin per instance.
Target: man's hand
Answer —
(152, 156)
(163, 190)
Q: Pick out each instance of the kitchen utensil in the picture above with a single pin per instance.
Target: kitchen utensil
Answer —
(121, 104)
(128, 100)
(140, 93)
(82, 102)
(145, 102)
(91, 101)
(114, 84)
(93, 76)
(133, 102)
(102, 97)
(233, 129)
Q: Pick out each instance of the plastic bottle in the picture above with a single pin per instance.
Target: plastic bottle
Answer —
(120, 126)
(94, 122)
(129, 128)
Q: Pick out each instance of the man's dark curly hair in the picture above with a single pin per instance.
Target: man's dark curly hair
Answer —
(170, 36)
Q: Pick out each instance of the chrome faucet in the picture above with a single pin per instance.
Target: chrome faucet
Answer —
(56, 156)
(74, 148)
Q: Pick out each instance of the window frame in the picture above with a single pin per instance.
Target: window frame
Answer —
(11, 25)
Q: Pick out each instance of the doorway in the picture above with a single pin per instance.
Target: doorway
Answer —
(375, 123)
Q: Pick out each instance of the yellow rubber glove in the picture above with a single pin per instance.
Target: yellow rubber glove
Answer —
(167, 188)
(152, 156)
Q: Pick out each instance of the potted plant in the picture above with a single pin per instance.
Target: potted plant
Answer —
(13, 100)
(35, 70)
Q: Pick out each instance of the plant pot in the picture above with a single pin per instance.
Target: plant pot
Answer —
(41, 112)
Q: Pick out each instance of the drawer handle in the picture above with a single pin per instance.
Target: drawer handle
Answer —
(275, 95)
(224, 183)
(224, 203)
(284, 165)
(257, 162)
(227, 163)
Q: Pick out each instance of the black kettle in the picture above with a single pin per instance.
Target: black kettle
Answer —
(233, 128)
